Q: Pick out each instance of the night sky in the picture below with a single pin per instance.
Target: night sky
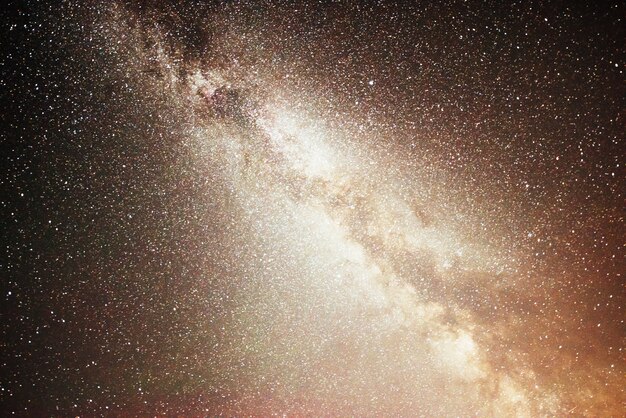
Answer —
(312, 209)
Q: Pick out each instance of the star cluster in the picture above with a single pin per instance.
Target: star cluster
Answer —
(313, 209)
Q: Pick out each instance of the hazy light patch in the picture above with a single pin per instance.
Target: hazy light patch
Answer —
(303, 144)
(459, 352)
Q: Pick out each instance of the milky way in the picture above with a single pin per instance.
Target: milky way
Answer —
(259, 209)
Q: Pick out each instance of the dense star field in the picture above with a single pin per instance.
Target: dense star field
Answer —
(313, 209)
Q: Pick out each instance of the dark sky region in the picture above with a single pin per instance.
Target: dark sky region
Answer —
(312, 208)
